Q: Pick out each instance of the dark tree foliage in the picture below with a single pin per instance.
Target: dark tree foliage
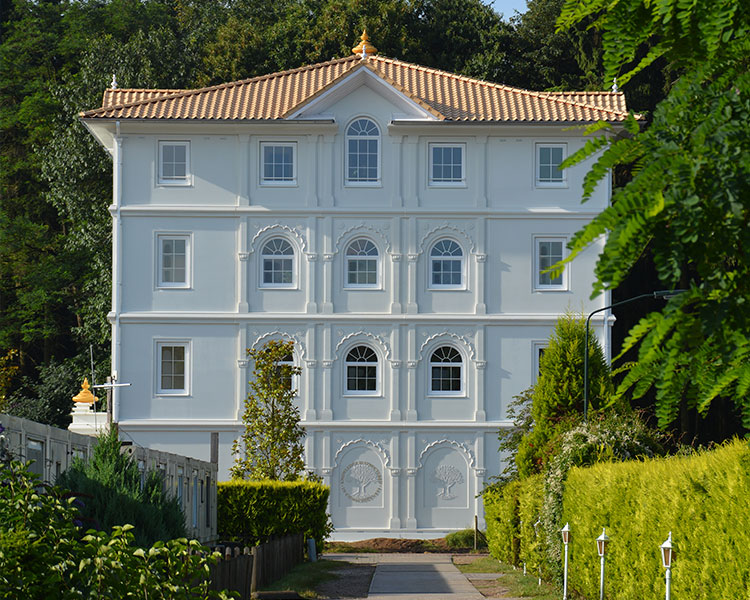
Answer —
(57, 57)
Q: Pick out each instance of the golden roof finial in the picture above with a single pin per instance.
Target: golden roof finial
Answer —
(85, 396)
(365, 48)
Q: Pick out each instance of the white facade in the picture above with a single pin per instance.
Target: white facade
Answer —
(405, 446)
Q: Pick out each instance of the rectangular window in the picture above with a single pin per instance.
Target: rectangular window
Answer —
(174, 163)
(173, 367)
(537, 351)
(174, 261)
(278, 163)
(548, 159)
(35, 453)
(446, 164)
(549, 251)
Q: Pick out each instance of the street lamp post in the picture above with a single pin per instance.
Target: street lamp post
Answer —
(601, 548)
(667, 554)
(657, 294)
(566, 538)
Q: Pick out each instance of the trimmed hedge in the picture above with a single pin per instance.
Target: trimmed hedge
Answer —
(501, 516)
(531, 535)
(253, 511)
(703, 499)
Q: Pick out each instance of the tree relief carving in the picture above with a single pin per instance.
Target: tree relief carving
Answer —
(449, 476)
(361, 481)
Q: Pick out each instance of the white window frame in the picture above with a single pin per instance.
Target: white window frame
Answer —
(563, 286)
(162, 236)
(277, 182)
(378, 266)
(563, 183)
(446, 393)
(370, 182)
(165, 343)
(187, 180)
(536, 347)
(430, 163)
(261, 269)
(462, 258)
(376, 364)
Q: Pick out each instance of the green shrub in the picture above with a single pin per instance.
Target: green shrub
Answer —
(109, 486)
(606, 438)
(252, 511)
(43, 553)
(701, 499)
(465, 539)
(501, 515)
(557, 396)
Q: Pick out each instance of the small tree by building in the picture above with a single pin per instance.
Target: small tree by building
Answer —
(271, 445)
(557, 397)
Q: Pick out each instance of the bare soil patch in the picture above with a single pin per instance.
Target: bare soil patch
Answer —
(351, 581)
(393, 545)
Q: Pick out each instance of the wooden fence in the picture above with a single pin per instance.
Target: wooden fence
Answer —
(247, 570)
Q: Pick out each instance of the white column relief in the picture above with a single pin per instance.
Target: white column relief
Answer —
(398, 151)
(411, 276)
(242, 374)
(410, 167)
(243, 170)
(243, 306)
(309, 371)
(480, 255)
(396, 369)
(326, 414)
(396, 256)
(411, 481)
(312, 260)
(480, 473)
(328, 256)
(326, 171)
(480, 413)
(480, 171)
(395, 471)
(312, 170)
(326, 468)
(411, 375)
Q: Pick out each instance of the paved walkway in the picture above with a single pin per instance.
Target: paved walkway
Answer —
(414, 576)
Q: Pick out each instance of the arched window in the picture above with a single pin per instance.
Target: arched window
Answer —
(446, 367)
(362, 264)
(362, 152)
(361, 370)
(278, 263)
(284, 368)
(446, 265)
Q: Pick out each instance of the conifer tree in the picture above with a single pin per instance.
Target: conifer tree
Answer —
(271, 445)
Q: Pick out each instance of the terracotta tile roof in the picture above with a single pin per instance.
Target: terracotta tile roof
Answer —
(446, 95)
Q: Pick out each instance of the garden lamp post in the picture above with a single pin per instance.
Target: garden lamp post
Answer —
(666, 294)
(667, 554)
(601, 548)
(566, 538)
(536, 537)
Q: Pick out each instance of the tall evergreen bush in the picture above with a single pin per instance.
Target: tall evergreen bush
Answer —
(110, 489)
(557, 397)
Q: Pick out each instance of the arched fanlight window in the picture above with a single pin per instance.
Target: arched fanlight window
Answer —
(362, 152)
(362, 264)
(284, 367)
(446, 265)
(361, 370)
(278, 263)
(446, 370)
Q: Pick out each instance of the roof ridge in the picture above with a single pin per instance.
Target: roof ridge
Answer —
(188, 92)
(498, 85)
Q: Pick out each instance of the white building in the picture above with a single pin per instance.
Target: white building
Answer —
(390, 219)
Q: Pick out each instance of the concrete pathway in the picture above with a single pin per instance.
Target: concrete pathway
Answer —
(414, 576)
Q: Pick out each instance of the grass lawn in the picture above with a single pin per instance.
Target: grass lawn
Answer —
(511, 582)
(305, 577)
